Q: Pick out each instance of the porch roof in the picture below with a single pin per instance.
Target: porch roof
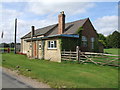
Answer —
(52, 36)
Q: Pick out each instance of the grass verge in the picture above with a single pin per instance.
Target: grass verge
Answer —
(64, 75)
(112, 51)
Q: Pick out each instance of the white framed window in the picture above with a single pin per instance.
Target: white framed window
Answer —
(52, 44)
(84, 41)
(39, 46)
(92, 42)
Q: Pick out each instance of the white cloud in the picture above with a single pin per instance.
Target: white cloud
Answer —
(47, 9)
(7, 26)
(70, 8)
(24, 26)
(106, 24)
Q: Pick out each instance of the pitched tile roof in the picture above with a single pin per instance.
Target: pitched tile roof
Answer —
(70, 28)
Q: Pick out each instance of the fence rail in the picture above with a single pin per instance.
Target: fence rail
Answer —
(69, 55)
(86, 57)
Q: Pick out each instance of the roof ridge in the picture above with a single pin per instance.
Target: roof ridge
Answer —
(65, 23)
(78, 20)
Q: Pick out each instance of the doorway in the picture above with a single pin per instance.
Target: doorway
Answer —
(35, 49)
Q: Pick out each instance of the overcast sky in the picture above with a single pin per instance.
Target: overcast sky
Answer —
(103, 15)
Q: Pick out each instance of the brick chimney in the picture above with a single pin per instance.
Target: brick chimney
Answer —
(32, 31)
(61, 22)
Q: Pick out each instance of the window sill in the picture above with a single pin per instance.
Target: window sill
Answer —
(52, 48)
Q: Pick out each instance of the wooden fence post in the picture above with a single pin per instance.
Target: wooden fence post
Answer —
(70, 55)
(78, 53)
(64, 51)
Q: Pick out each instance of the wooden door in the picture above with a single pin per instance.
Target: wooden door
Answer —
(35, 50)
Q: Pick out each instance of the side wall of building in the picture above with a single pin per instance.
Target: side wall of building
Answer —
(24, 46)
(42, 50)
(89, 32)
(69, 43)
(32, 50)
(52, 54)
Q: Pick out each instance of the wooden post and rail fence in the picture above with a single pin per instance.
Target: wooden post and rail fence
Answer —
(86, 57)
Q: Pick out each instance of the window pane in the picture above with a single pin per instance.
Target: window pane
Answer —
(92, 39)
(92, 45)
(84, 44)
(55, 44)
(84, 38)
(52, 42)
(40, 46)
(52, 45)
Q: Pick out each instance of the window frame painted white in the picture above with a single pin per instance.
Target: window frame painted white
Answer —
(51, 44)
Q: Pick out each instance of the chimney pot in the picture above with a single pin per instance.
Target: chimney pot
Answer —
(62, 12)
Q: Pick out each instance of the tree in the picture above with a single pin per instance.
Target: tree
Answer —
(116, 39)
(4, 45)
(113, 40)
(109, 41)
(102, 39)
(11, 45)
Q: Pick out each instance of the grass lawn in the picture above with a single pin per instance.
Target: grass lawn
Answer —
(66, 75)
(112, 51)
(7, 48)
(110, 60)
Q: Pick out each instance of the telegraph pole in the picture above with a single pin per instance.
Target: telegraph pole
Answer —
(15, 35)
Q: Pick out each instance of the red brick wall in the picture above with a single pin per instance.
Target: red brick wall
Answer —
(88, 31)
(61, 23)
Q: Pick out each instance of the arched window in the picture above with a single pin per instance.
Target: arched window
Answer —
(84, 41)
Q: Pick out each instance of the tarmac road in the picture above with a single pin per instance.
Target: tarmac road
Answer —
(8, 81)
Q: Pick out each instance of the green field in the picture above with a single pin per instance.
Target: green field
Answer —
(112, 51)
(65, 75)
(6, 48)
